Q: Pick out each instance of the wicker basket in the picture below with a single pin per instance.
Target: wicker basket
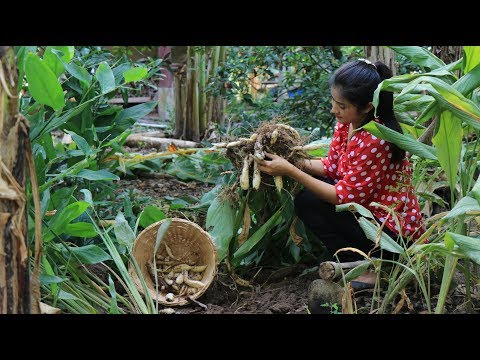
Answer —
(188, 242)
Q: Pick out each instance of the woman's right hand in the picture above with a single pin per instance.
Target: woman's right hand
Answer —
(277, 166)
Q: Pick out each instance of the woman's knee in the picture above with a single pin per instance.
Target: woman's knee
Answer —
(306, 199)
(310, 208)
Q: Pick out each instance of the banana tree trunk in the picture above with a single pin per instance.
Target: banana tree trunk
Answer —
(212, 65)
(383, 54)
(218, 103)
(192, 123)
(15, 293)
(202, 97)
(179, 90)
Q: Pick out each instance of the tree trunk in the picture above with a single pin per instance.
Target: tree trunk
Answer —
(179, 90)
(448, 54)
(192, 120)
(202, 97)
(195, 108)
(383, 54)
(15, 293)
(218, 113)
(212, 65)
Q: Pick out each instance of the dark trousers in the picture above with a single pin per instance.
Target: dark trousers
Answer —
(336, 230)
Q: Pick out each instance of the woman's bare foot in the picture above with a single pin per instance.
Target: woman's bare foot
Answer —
(368, 277)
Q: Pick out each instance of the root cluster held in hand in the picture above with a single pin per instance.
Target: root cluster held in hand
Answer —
(271, 137)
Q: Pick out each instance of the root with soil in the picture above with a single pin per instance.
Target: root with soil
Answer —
(272, 137)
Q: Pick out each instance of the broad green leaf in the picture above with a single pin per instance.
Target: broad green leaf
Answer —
(135, 112)
(118, 72)
(89, 254)
(220, 224)
(59, 221)
(151, 214)
(21, 56)
(452, 100)
(468, 82)
(79, 73)
(184, 168)
(50, 279)
(134, 74)
(40, 167)
(51, 60)
(97, 175)
(211, 195)
(81, 229)
(386, 242)
(415, 131)
(448, 144)
(61, 198)
(47, 142)
(123, 231)
(245, 248)
(413, 102)
(470, 246)
(355, 207)
(43, 85)
(105, 77)
(472, 57)
(45, 201)
(87, 120)
(428, 113)
(404, 142)
(475, 192)
(408, 83)
(56, 121)
(463, 207)
(419, 56)
(81, 142)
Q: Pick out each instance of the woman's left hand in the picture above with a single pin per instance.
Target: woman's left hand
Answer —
(277, 166)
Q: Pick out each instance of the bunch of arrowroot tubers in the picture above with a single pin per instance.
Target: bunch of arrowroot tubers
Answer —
(272, 137)
(175, 278)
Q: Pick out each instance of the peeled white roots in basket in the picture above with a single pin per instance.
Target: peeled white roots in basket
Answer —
(175, 278)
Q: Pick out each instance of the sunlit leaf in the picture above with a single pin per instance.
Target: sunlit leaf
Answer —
(43, 85)
(134, 74)
(105, 77)
(149, 215)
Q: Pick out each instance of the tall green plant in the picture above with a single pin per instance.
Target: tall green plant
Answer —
(449, 99)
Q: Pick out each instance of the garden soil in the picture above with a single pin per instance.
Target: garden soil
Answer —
(280, 290)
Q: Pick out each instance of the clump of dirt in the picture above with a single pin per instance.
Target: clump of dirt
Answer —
(272, 137)
(272, 291)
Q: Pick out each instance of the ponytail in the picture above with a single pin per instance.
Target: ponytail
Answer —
(358, 81)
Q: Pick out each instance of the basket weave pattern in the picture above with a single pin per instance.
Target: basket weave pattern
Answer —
(188, 243)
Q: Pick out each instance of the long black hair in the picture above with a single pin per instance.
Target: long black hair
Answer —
(357, 81)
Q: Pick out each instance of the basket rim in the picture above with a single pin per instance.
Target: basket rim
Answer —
(179, 220)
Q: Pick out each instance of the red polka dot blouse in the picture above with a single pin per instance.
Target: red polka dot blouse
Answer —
(363, 172)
